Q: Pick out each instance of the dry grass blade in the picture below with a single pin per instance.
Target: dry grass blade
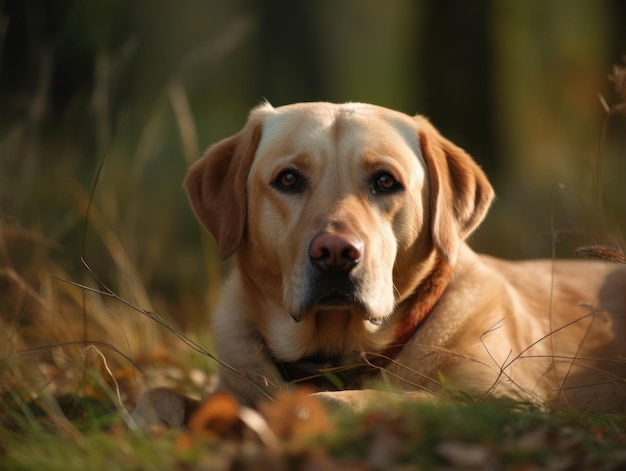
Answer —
(618, 77)
(184, 120)
(602, 252)
(106, 291)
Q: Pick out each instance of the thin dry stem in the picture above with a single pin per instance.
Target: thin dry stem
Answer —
(184, 120)
(602, 252)
(106, 291)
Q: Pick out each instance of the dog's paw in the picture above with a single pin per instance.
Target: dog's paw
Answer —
(365, 399)
(351, 400)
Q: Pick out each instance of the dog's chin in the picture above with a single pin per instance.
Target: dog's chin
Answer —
(341, 303)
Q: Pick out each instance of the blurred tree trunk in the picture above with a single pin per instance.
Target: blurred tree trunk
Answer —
(368, 49)
(456, 67)
(551, 61)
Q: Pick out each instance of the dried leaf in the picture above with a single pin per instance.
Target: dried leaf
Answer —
(218, 418)
(184, 441)
(464, 455)
(297, 417)
(387, 440)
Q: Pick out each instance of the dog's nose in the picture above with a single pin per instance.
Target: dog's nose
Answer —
(333, 252)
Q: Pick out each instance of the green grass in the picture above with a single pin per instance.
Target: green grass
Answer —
(73, 361)
(470, 436)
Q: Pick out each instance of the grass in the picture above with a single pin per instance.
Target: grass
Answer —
(471, 436)
(80, 289)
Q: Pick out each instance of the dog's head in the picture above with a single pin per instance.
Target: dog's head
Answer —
(338, 206)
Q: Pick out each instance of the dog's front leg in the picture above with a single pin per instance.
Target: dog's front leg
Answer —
(251, 374)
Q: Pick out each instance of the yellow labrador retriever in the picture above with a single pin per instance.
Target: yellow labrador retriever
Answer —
(348, 225)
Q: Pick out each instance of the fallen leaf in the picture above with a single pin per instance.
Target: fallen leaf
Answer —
(296, 416)
(464, 455)
(217, 417)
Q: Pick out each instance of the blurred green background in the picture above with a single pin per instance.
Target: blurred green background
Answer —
(145, 86)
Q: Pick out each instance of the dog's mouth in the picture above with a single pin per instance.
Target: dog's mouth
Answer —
(335, 292)
(336, 298)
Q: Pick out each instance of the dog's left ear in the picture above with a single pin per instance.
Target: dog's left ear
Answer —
(460, 193)
(216, 185)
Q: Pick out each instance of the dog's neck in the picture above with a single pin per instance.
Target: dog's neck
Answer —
(419, 305)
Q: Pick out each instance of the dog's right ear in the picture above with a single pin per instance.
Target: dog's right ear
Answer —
(460, 193)
(216, 185)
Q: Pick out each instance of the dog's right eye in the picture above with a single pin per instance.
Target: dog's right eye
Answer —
(385, 183)
(289, 180)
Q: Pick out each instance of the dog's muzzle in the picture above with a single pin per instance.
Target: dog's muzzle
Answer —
(333, 258)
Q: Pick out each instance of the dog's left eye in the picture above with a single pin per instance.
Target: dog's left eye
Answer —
(386, 183)
(289, 180)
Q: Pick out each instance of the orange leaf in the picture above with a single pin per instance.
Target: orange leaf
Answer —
(217, 417)
(296, 416)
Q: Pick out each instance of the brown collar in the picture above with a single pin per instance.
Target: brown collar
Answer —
(342, 374)
(420, 303)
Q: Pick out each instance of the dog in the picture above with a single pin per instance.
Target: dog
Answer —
(348, 224)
